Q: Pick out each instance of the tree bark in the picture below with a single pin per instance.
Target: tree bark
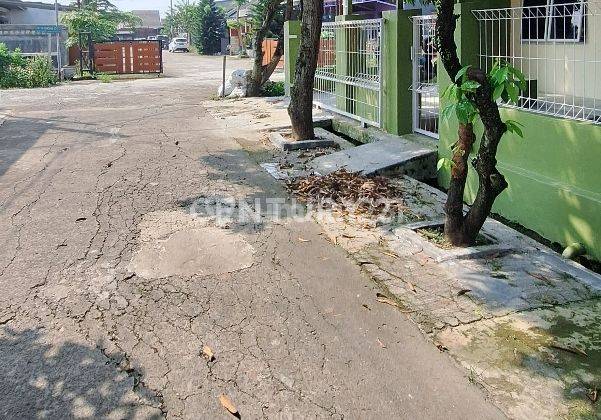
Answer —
(460, 229)
(261, 73)
(300, 109)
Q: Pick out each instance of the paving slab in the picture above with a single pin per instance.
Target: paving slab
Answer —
(513, 312)
(391, 155)
(280, 142)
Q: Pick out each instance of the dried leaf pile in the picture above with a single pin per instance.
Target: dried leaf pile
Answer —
(346, 191)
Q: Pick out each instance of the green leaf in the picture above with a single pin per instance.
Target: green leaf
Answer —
(444, 163)
(498, 92)
(520, 76)
(470, 85)
(447, 111)
(500, 76)
(445, 92)
(462, 73)
(514, 127)
(465, 111)
(513, 91)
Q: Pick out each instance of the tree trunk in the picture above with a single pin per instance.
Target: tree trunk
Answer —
(261, 73)
(270, 67)
(301, 94)
(460, 229)
(256, 77)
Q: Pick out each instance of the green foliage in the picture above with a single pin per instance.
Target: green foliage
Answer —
(444, 163)
(514, 127)
(273, 89)
(40, 72)
(18, 72)
(208, 28)
(105, 77)
(258, 11)
(506, 82)
(101, 20)
(8, 58)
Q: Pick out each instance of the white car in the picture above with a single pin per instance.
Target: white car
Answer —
(179, 44)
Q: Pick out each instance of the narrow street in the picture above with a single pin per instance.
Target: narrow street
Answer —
(111, 288)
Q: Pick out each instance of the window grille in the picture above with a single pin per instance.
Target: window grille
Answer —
(557, 45)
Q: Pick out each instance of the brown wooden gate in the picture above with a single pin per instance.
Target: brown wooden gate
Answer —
(128, 57)
(269, 46)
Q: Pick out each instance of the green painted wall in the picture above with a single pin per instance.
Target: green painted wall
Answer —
(291, 46)
(397, 72)
(553, 173)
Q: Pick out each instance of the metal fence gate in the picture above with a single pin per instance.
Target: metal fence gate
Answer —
(349, 70)
(425, 83)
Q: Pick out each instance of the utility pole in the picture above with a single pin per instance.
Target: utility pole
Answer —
(172, 20)
(59, 60)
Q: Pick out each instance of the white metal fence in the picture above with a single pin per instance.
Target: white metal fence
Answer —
(349, 70)
(557, 45)
(425, 85)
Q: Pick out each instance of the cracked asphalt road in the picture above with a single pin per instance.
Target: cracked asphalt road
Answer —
(110, 290)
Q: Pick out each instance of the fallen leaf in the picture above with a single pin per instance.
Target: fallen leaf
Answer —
(390, 254)
(385, 299)
(441, 347)
(412, 287)
(344, 235)
(573, 350)
(80, 219)
(366, 307)
(303, 239)
(208, 353)
(593, 395)
(381, 344)
(228, 404)
(463, 292)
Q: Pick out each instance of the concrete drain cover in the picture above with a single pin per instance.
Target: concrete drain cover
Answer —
(188, 250)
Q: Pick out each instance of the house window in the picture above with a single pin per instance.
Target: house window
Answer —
(553, 20)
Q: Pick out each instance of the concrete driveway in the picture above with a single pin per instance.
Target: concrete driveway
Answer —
(111, 288)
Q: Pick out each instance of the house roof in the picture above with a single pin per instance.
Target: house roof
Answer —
(22, 5)
(150, 18)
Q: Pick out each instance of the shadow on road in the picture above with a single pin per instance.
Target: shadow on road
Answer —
(41, 379)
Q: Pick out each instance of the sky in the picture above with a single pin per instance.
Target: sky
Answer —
(126, 5)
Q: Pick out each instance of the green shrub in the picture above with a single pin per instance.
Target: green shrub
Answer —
(105, 77)
(40, 72)
(17, 71)
(273, 89)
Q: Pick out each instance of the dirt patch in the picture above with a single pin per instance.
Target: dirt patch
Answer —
(435, 234)
(175, 243)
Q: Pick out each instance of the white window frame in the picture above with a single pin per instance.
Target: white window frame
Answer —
(549, 21)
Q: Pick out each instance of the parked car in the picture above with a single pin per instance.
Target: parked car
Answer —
(179, 44)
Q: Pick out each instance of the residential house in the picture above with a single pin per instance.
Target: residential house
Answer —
(241, 33)
(150, 25)
(20, 23)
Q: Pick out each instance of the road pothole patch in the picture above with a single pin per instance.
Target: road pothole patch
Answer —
(178, 244)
